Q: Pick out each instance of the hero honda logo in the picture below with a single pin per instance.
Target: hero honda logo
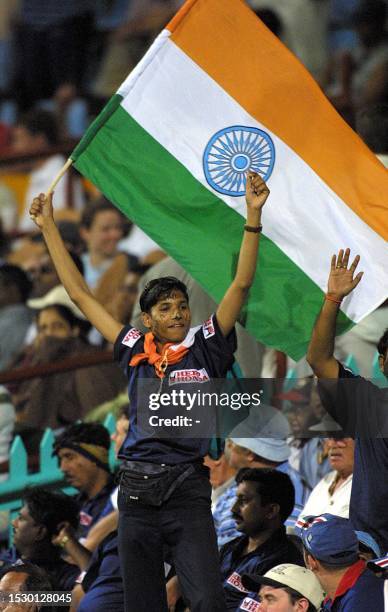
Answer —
(188, 376)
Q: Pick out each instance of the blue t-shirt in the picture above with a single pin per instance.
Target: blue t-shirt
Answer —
(358, 591)
(92, 509)
(209, 356)
(234, 563)
(361, 408)
(102, 582)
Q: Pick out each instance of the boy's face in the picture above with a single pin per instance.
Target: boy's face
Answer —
(169, 319)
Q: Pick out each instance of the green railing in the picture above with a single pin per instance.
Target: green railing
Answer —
(49, 474)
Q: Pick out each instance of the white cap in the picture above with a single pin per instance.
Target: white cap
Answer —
(295, 577)
(264, 432)
(57, 295)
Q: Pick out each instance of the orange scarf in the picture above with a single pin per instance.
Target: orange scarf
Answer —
(160, 362)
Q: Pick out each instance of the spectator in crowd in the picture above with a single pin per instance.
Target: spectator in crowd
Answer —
(331, 551)
(284, 588)
(265, 499)
(184, 491)
(102, 226)
(83, 453)
(45, 29)
(27, 578)
(369, 82)
(356, 404)
(124, 299)
(60, 327)
(109, 517)
(7, 422)
(39, 265)
(35, 133)
(308, 454)
(39, 520)
(222, 476)
(15, 316)
(257, 442)
(332, 493)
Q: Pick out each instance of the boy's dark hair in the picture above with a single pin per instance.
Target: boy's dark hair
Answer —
(49, 508)
(372, 127)
(89, 433)
(100, 205)
(272, 486)
(382, 345)
(38, 121)
(15, 276)
(295, 596)
(160, 288)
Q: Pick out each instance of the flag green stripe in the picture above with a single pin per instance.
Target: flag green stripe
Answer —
(96, 125)
(203, 234)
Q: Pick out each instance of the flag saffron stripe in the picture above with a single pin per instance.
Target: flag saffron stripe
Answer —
(272, 85)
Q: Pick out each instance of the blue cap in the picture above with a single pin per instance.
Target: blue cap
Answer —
(330, 539)
(366, 539)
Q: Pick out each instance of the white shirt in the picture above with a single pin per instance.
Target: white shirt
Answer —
(40, 180)
(320, 500)
(138, 243)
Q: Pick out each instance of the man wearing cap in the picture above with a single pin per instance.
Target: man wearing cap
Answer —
(331, 551)
(257, 442)
(284, 588)
(358, 405)
(83, 452)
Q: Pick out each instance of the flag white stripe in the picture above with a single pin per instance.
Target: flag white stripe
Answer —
(176, 102)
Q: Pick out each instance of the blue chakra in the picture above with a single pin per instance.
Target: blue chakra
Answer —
(231, 152)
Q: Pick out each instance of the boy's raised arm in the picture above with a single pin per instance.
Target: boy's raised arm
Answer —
(229, 309)
(41, 212)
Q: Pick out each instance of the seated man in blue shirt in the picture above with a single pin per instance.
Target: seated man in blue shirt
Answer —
(331, 551)
(164, 495)
(39, 521)
(265, 499)
(83, 453)
(358, 405)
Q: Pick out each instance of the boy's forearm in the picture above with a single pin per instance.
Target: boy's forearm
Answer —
(247, 260)
(68, 273)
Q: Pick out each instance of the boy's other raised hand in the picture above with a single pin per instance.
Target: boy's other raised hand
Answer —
(342, 278)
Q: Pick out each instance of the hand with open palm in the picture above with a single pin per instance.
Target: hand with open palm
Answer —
(341, 278)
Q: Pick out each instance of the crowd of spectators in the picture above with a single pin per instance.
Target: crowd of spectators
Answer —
(292, 488)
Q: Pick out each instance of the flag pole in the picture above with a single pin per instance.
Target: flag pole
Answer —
(60, 174)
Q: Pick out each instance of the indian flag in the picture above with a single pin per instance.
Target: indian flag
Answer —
(217, 94)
